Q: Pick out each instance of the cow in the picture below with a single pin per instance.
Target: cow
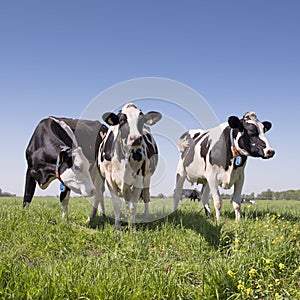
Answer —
(218, 156)
(65, 149)
(127, 158)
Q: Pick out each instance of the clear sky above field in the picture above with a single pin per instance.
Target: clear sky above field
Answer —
(57, 56)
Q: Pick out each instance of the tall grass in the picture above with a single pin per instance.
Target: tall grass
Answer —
(182, 256)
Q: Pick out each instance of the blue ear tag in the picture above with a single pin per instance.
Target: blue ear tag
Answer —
(238, 161)
(62, 187)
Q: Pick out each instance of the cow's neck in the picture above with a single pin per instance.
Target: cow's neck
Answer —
(238, 159)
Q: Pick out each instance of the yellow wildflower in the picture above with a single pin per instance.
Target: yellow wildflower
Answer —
(281, 266)
(230, 273)
(252, 273)
(268, 261)
(241, 285)
(249, 291)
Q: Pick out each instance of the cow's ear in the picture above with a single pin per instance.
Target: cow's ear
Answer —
(110, 118)
(234, 122)
(267, 125)
(152, 117)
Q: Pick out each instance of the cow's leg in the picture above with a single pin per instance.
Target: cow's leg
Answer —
(30, 185)
(146, 195)
(205, 199)
(100, 187)
(180, 178)
(116, 205)
(135, 195)
(98, 199)
(236, 198)
(213, 185)
(146, 198)
(117, 210)
(64, 199)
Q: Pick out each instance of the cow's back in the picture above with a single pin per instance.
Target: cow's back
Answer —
(89, 135)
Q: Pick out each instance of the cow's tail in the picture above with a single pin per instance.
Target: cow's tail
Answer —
(184, 142)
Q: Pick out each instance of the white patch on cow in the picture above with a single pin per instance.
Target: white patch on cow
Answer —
(77, 178)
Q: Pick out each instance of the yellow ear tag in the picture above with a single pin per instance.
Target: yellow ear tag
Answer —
(109, 121)
(149, 122)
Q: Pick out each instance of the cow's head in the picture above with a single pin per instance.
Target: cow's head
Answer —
(250, 137)
(130, 121)
(74, 171)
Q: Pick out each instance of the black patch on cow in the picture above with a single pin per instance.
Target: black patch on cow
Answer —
(184, 135)
(189, 152)
(196, 135)
(199, 137)
(204, 147)
(137, 154)
(123, 126)
(107, 153)
(250, 141)
(221, 153)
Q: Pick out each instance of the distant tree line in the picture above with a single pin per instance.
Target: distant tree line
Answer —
(270, 195)
(5, 194)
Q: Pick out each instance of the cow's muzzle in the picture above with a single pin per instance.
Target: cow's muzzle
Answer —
(269, 153)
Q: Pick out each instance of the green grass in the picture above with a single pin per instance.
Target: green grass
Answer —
(182, 256)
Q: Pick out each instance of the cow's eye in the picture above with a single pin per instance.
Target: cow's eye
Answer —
(122, 119)
(77, 168)
(252, 130)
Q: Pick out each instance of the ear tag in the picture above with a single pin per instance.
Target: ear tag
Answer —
(238, 161)
(62, 187)
(109, 121)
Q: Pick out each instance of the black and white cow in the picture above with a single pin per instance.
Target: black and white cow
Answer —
(217, 157)
(64, 149)
(127, 158)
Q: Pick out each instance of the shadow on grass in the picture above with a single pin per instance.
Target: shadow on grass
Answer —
(184, 219)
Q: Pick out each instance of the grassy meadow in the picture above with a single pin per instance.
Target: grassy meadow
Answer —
(181, 256)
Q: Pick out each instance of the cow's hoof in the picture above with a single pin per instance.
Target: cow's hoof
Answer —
(207, 213)
(117, 225)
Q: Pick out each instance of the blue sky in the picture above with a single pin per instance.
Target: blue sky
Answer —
(57, 56)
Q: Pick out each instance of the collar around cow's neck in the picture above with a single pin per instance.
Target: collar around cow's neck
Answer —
(233, 148)
(59, 162)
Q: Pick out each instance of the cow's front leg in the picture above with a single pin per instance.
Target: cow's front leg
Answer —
(100, 188)
(135, 196)
(117, 209)
(30, 185)
(146, 195)
(64, 199)
(213, 185)
(236, 198)
(146, 199)
(98, 200)
(205, 199)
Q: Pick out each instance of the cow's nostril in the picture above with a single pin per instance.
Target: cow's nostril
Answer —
(270, 153)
